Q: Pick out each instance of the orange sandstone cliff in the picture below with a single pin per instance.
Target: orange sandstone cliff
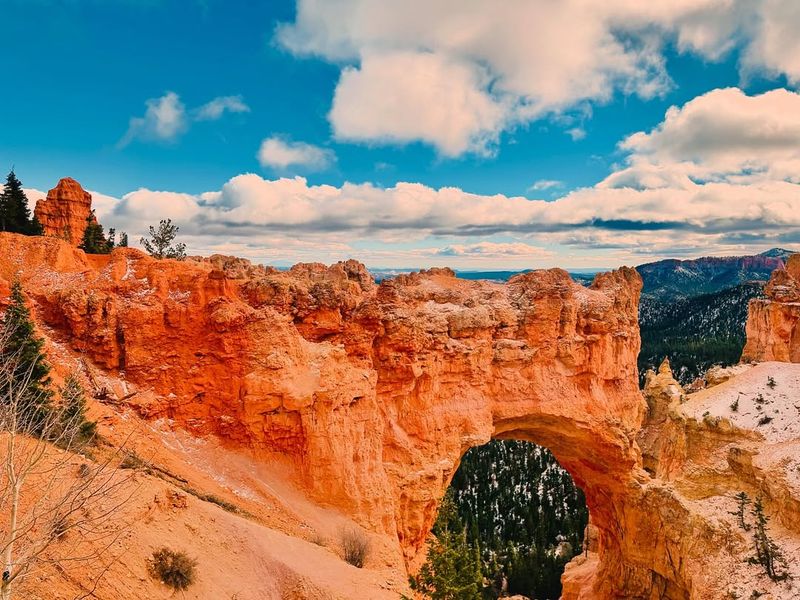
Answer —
(64, 213)
(370, 394)
(773, 324)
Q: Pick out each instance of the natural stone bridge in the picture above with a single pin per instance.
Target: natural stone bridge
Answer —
(374, 392)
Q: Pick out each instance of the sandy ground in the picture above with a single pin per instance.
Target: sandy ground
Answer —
(773, 411)
(277, 545)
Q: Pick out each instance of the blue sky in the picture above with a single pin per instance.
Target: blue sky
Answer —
(354, 100)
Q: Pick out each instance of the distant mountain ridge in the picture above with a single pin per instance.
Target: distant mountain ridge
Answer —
(670, 279)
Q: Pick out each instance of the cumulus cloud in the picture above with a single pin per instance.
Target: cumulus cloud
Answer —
(725, 134)
(372, 103)
(280, 153)
(493, 250)
(457, 74)
(713, 176)
(166, 118)
(211, 111)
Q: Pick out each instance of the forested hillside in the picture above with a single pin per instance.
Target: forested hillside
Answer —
(696, 332)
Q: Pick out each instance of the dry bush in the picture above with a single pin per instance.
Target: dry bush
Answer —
(175, 569)
(355, 546)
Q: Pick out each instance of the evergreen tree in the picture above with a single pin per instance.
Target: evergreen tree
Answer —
(73, 413)
(452, 570)
(742, 500)
(768, 554)
(15, 216)
(123, 240)
(23, 348)
(94, 240)
(160, 243)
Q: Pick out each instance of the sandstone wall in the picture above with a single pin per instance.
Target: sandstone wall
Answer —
(773, 331)
(374, 392)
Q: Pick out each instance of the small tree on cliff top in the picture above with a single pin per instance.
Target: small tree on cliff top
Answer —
(15, 216)
(160, 245)
(94, 239)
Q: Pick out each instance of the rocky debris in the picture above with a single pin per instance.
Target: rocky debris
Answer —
(64, 212)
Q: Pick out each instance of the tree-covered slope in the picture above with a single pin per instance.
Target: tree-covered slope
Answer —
(672, 279)
(696, 332)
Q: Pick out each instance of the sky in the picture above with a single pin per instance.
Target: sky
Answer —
(464, 133)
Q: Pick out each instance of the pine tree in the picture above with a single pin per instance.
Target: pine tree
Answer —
(768, 554)
(743, 500)
(23, 348)
(123, 240)
(15, 216)
(160, 243)
(94, 240)
(74, 425)
(452, 570)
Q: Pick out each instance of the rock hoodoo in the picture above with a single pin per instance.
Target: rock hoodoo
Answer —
(773, 324)
(64, 213)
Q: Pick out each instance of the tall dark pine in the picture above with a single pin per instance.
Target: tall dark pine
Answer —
(15, 216)
(94, 240)
(22, 348)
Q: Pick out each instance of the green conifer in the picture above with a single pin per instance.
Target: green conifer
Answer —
(94, 240)
(75, 428)
(23, 349)
(452, 570)
(15, 216)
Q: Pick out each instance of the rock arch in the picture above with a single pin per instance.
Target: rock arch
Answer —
(376, 391)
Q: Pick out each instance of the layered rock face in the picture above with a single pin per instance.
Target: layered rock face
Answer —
(773, 324)
(64, 213)
(372, 392)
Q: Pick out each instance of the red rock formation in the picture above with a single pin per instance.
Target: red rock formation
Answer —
(63, 214)
(374, 392)
(773, 324)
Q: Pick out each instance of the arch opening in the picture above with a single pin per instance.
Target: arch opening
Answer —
(523, 513)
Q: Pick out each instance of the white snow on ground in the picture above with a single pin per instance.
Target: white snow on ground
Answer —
(771, 410)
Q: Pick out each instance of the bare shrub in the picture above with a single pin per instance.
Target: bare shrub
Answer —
(173, 568)
(355, 546)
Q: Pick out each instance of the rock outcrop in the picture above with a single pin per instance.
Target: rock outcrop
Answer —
(372, 393)
(64, 213)
(773, 324)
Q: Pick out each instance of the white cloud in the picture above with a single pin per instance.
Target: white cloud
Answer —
(713, 177)
(164, 120)
(372, 103)
(457, 74)
(211, 111)
(280, 153)
(724, 133)
(492, 250)
(546, 184)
